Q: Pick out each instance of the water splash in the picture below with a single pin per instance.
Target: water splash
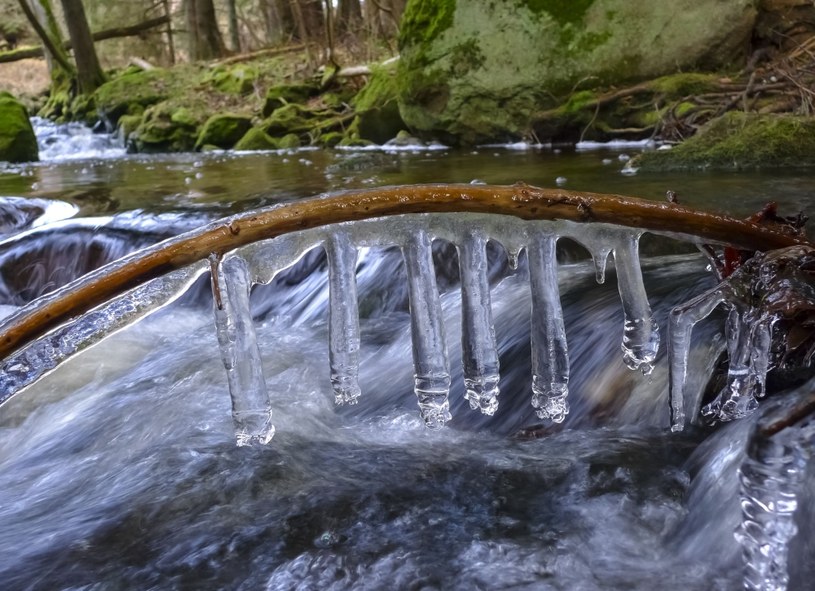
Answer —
(771, 478)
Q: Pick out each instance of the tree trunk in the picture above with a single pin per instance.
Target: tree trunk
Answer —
(89, 72)
(204, 38)
(58, 64)
(349, 17)
(234, 37)
(114, 33)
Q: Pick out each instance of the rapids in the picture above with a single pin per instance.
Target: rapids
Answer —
(119, 469)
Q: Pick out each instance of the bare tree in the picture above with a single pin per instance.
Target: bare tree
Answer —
(89, 72)
(204, 38)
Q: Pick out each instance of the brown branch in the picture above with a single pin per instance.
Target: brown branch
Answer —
(113, 33)
(519, 200)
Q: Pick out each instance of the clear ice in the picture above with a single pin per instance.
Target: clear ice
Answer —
(251, 410)
(767, 288)
(432, 373)
(550, 357)
(640, 331)
(343, 318)
(479, 355)
(40, 357)
(771, 478)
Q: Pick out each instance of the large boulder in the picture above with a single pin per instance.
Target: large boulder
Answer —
(478, 71)
(17, 140)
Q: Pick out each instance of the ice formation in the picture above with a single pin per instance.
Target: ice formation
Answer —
(768, 288)
(771, 479)
(251, 410)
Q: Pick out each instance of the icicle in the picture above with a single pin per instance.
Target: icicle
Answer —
(600, 258)
(682, 320)
(748, 348)
(550, 358)
(641, 332)
(343, 314)
(251, 410)
(432, 378)
(771, 478)
(478, 349)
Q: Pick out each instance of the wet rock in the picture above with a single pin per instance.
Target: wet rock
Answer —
(377, 108)
(17, 140)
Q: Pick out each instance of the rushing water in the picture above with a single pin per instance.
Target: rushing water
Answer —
(119, 470)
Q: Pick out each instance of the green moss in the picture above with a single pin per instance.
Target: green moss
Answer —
(563, 11)
(287, 119)
(133, 92)
(289, 141)
(677, 86)
(256, 139)
(223, 130)
(741, 140)
(424, 20)
(377, 107)
(128, 124)
(157, 132)
(238, 79)
(284, 94)
(17, 140)
(330, 139)
(684, 108)
(578, 101)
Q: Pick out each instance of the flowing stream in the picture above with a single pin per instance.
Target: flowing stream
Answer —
(119, 469)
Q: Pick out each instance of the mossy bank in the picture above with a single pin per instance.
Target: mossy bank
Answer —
(17, 140)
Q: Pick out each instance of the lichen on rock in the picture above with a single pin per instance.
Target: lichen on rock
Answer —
(478, 71)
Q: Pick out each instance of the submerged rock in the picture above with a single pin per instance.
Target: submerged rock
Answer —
(475, 71)
(17, 140)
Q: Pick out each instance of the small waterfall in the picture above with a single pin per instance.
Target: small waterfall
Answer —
(73, 141)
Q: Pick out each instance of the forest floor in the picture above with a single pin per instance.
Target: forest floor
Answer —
(25, 78)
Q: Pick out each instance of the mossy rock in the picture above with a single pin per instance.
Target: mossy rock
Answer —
(127, 125)
(377, 107)
(679, 86)
(331, 139)
(289, 142)
(472, 72)
(256, 139)
(740, 140)
(132, 93)
(289, 118)
(239, 79)
(223, 130)
(17, 140)
(284, 94)
(161, 130)
(354, 142)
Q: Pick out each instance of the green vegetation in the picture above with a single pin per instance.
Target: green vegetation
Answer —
(17, 140)
(223, 130)
(424, 20)
(741, 141)
(256, 139)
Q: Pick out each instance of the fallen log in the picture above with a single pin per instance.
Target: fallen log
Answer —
(519, 200)
(32, 52)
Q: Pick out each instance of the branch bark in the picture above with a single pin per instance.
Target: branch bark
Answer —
(519, 200)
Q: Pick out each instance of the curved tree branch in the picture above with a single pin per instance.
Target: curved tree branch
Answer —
(519, 200)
